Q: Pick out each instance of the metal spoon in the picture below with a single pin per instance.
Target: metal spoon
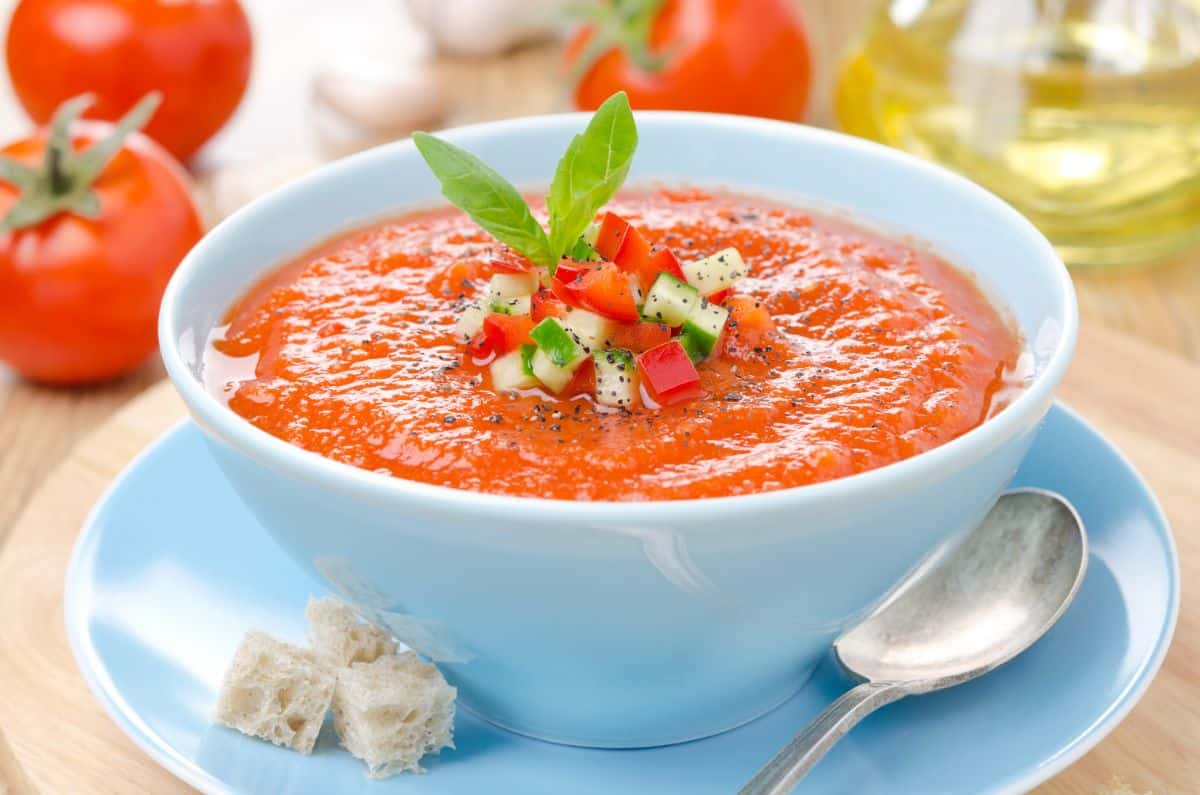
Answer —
(975, 607)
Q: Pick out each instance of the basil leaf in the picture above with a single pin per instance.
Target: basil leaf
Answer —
(591, 171)
(488, 198)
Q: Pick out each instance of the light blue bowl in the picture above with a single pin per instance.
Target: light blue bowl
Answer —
(639, 624)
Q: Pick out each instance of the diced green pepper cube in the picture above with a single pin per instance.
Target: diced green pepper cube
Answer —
(582, 251)
(556, 342)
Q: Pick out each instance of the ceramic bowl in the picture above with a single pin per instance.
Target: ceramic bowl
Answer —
(626, 624)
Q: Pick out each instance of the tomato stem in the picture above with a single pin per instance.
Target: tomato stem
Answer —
(64, 181)
(624, 25)
(60, 183)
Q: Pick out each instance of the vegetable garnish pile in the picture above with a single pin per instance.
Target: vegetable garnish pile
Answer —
(590, 292)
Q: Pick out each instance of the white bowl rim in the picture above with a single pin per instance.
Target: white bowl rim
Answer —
(280, 455)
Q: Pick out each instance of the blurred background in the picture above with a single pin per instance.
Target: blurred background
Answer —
(1083, 113)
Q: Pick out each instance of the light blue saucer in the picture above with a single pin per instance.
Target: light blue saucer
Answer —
(170, 571)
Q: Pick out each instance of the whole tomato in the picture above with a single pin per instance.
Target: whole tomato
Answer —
(95, 219)
(195, 52)
(749, 57)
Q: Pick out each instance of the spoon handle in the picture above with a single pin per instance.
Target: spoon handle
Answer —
(799, 756)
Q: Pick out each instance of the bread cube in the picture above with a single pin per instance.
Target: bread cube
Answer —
(276, 691)
(339, 637)
(393, 711)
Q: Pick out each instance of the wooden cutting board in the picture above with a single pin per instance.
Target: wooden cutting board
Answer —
(1146, 401)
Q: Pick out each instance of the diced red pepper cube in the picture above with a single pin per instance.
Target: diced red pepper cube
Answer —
(663, 260)
(633, 255)
(601, 288)
(608, 291)
(638, 257)
(567, 284)
(546, 304)
(611, 234)
(668, 373)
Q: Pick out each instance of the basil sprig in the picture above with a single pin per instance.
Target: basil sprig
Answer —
(492, 202)
(588, 175)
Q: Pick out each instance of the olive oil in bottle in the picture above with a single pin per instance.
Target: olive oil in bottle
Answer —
(1083, 114)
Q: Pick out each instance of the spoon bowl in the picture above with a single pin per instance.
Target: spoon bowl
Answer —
(969, 609)
(979, 603)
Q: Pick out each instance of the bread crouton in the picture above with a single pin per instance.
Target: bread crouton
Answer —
(276, 691)
(339, 637)
(393, 711)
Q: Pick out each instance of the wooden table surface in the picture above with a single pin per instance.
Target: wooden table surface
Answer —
(272, 138)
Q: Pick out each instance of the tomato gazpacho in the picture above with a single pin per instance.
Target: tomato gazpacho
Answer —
(655, 344)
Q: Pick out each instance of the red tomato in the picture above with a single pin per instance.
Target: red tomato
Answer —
(750, 315)
(196, 52)
(669, 374)
(610, 236)
(583, 381)
(507, 332)
(749, 57)
(749, 325)
(79, 296)
(638, 337)
(509, 261)
(481, 347)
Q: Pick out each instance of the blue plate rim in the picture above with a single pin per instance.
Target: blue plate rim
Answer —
(129, 722)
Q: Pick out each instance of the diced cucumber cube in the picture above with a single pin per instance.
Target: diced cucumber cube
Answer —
(512, 285)
(559, 345)
(617, 378)
(591, 233)
(508, 373)
(688, 343)
(527, 352)
(669, 301)
(519, 305)
(470, 322)
(715, 273)
(635, 289)
(554, 377)
(702, 328)
(591, 329)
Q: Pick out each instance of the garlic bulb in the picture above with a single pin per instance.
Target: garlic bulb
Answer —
(486, 27)
(360, 107)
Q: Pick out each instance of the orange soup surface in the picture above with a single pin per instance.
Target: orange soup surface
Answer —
(879, 351)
